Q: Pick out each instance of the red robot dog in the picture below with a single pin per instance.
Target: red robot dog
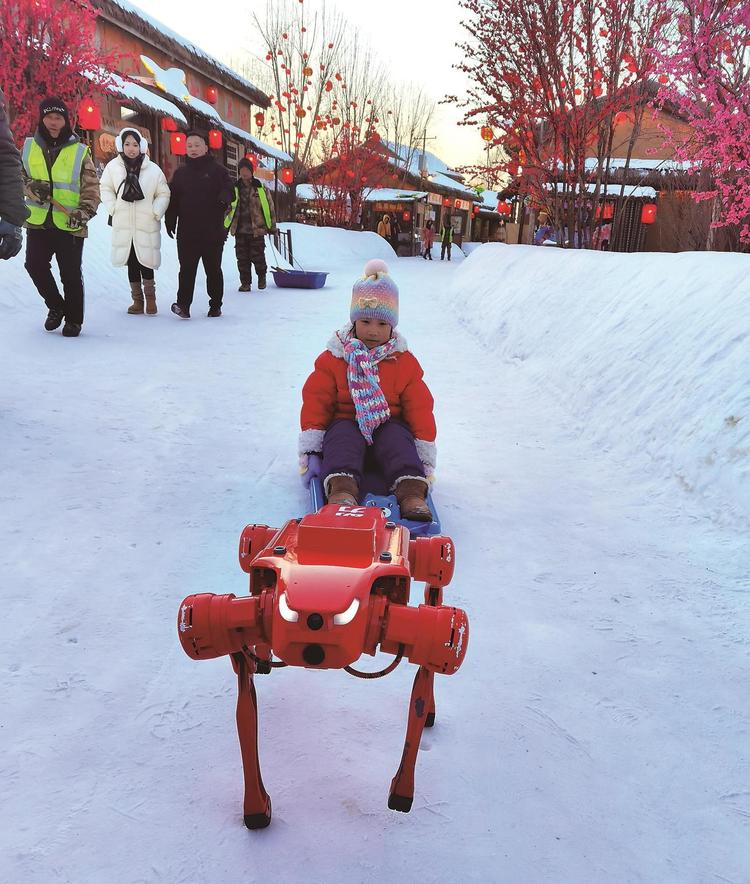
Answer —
(325, 589)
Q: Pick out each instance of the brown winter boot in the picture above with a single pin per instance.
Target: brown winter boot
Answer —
(149, 289)
(137, 305)
(343, 490)
(411, 495)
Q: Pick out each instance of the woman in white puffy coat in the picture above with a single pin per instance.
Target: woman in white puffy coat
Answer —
(136, 195)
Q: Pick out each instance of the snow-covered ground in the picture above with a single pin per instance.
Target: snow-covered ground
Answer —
(596, 489)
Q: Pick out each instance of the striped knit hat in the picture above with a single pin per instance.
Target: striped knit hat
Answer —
(375, 296)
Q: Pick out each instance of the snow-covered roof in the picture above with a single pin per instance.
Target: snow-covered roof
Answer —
(272, 152)
(143, 96)
(637, 163)
(437, 170)
(174, 82)
(393, 195)
(613, 190)
(131, 9)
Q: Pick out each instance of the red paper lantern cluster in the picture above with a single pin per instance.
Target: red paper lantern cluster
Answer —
(168, 124)
(215, 139)
(212, 94)
(89, 115)
(648, 213)
(177, 144)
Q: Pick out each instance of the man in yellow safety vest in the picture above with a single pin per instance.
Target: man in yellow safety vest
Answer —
(253, 218)
(62, 195)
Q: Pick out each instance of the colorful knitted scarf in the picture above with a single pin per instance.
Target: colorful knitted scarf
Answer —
(370, 404)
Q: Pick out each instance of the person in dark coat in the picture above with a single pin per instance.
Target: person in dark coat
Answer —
(13, 210)
(62, 196)
(199, 210)
(446, 238)
(254, 217)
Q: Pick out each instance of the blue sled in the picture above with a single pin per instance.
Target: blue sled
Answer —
(373, 493)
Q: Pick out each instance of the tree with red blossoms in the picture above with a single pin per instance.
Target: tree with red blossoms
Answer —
(707, 69)
(549, 78)
(49, 48)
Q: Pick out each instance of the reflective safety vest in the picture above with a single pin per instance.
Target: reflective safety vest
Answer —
(65, 178)
(449, 231)
(229, 217)
(264, 206)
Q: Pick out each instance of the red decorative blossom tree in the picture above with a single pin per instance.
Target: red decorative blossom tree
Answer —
(48, 48)
(549, 78)
(707, 74)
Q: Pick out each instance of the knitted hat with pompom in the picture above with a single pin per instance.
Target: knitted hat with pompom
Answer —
(375, 296)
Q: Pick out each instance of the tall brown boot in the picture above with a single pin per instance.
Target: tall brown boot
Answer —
(149, 289)
(137, 305)
(411, 495)
(342, 490)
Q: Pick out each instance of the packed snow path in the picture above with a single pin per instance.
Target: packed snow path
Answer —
(597, 731)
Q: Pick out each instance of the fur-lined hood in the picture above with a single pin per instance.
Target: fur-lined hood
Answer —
(336, 346)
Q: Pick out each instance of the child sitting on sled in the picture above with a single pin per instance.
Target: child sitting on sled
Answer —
(366, 391)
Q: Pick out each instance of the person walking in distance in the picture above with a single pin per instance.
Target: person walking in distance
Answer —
(62, 195)
(199, 211)
(446, 238)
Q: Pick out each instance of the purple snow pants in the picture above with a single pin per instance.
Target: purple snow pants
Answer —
(393, 450)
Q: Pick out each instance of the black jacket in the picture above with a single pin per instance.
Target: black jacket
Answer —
(12, 206)
(201, 192)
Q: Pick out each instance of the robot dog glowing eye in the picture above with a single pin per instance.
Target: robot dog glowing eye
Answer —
(348, 615)
(286, 612)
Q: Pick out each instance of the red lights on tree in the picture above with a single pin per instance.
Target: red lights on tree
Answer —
(287, 175)
(89, 115)
(648, 213)
(177, 144)
(168, 124)
(215, 139)
(212, 94)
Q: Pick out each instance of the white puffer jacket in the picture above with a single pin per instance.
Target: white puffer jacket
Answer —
(137, 223)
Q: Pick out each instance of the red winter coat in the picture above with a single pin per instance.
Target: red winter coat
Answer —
(326, 396)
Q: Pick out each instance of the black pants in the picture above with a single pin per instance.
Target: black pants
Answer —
(41, 246)
(445, 246)
(190, 254)
(427, 253)
(250, 250)
(136, 270)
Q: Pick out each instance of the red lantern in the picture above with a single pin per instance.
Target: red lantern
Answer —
(287, 175)
(212, 94)
(608, 213)
(253, 159)
(475, 210)
(407, 216)
(168, 124)
(215, 139)
(503, 208)
(89, 116)
(446, 201)
(260, 119)
(648, 213)
(177, 144)
(487, 133)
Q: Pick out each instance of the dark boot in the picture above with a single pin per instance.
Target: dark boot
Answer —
(180, 311)
(71, 330)
(213, 312)
(149, 290)
(411, 495)
(54, 320)
(343, 490)
(245, 287)
(262, 281)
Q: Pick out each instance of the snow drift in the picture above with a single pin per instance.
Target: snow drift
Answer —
(648, 351)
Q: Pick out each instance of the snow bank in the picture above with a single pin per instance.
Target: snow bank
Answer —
(323, 248)
(648, 351)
